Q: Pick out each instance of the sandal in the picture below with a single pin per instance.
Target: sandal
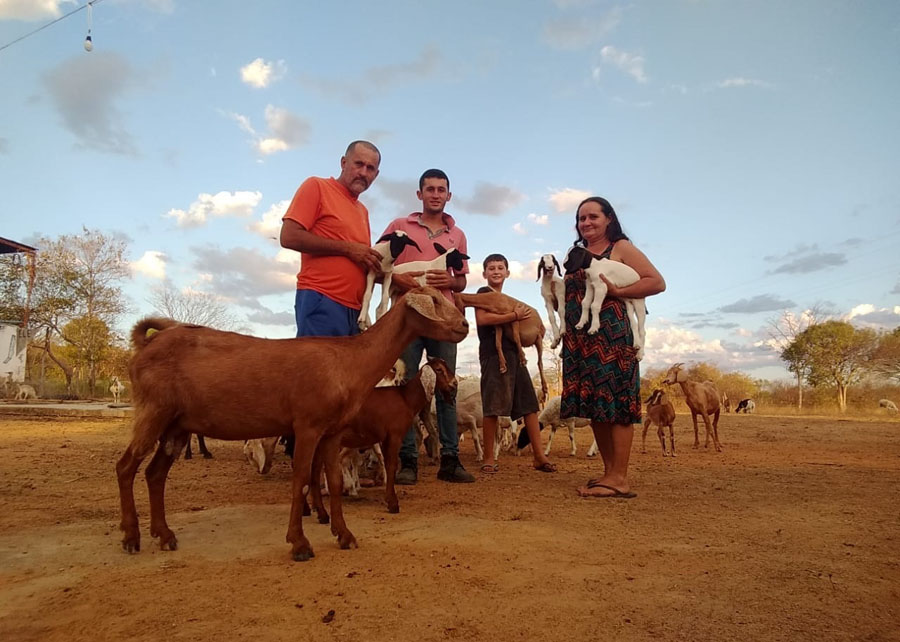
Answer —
(546, 467)
(490, 469)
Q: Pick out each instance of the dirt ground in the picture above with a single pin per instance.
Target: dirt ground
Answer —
(791, 533)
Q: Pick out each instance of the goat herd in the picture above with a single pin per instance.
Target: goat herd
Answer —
(190, 379)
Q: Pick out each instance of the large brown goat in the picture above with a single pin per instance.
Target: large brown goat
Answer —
(702, 399)
(190, 379)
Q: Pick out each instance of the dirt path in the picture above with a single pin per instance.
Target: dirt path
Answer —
(792, 533)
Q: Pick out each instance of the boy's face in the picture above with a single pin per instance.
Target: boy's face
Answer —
(495, 273)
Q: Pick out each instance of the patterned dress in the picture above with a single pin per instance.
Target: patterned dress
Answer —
(601, 379)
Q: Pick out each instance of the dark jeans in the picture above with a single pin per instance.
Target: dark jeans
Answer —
(446, 412)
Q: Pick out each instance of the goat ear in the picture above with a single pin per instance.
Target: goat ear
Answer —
(409, 241)
(423, 304)
(386, 237)
(440, 248)
(556, 263)
(540, 270)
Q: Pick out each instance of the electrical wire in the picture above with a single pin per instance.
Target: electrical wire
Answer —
(52, 22)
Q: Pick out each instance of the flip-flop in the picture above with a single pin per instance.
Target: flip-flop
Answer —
(616, 493)
(490, 469)
(546, 467)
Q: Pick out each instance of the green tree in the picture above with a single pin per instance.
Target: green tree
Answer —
(77, 278)
(782, 333)
(833, 352)
(886, 358)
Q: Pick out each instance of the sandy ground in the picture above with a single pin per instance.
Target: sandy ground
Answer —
(791, 533)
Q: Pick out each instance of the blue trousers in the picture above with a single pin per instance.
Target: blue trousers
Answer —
(319, 316)
(446, 411)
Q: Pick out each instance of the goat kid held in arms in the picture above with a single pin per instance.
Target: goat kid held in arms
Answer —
(179, 387)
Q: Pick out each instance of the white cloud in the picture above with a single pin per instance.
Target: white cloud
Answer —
(32, 9)
(541, 219)
(519, 229)
(567, 199)
(286, 130)
(220, 204)
(738, 81)
(269, 225)
(151, 264)
(868, 315)
(631, 64)
(261, 74)
(579, 32)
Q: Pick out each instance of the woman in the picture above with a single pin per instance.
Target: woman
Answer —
(601, 380)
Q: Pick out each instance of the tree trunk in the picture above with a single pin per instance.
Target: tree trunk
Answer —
(799, 392)
(66, 368)
(842, 396)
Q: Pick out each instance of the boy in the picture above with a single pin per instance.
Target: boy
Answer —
(511, 393)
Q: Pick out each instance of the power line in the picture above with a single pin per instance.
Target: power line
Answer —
(52, 22)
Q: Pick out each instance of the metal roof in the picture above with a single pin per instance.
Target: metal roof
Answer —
(8, 247)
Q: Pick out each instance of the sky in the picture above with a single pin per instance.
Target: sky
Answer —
(750, 148)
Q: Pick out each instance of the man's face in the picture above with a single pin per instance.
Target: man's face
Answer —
(495, 273)
(434, 195)
(359, 169)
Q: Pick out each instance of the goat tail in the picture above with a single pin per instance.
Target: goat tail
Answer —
(144, 330)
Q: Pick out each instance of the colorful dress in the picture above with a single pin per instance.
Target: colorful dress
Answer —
(601, 379)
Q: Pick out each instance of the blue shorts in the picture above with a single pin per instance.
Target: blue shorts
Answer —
(319, 316)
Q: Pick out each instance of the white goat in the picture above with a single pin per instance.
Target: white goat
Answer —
(448, 259)
(116, 388)
(619, 275)
(389, 247)
(25, 392)
(553, 291)
(550, 417)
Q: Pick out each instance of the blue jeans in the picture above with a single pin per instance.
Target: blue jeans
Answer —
(319, 316)
(446, 412)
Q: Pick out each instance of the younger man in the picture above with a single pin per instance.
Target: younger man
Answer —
(511, 393)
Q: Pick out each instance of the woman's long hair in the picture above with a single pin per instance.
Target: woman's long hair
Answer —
(613, 230)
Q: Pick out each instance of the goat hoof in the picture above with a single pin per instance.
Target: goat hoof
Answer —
(302, 556)
(323, 518)
(306, 511)
(170, 544)
(347, 541)
(394, 509)
(207, 456)
(188, 456)
(131, 545)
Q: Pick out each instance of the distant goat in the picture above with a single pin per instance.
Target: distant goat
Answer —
(25, 392)
(702, 399)
(888, 405)
(619, 275)
(116, 388)
(661, 412)
(553, 291)
(745, 406)
(726, 403)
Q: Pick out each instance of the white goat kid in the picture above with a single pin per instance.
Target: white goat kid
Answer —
(550, 417)
(448, 259)
(116, 388)
(389, 247)
(619, 275)
(553, 291)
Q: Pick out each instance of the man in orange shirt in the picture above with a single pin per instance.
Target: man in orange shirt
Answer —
(328, 225)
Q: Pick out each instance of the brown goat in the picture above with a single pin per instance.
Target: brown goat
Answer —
(385, 418)
(183, 381)
(702, 399)
(661, 412)
(523, 332)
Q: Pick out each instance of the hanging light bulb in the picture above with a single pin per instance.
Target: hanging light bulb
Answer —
(88, 43)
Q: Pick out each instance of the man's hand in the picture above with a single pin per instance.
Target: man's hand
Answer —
(522, 311)
(365, 256)
(406, 281)
(439, 279)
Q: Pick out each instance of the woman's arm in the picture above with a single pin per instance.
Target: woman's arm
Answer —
(651, 281)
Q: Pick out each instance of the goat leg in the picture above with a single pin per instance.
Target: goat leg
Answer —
(586, 303)
(157, 472)
(661, 433)
(201, 442)
(600, 290)
(391, 448)
(672, 438)
(330, 450)
(126, 468)
(498, 342)
(304, 449)
(517, 339)
(315, 490)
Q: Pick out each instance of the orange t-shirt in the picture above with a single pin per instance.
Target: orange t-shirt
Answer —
(327, 209)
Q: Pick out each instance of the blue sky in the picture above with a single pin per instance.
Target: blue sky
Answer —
(751, 149)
